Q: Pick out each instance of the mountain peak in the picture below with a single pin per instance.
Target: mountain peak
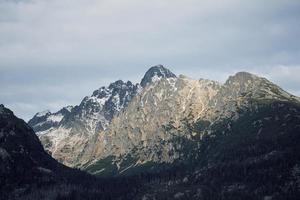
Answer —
(43, 113)
(156, 73)
(241, 77)
(68, 108)
(245, 75)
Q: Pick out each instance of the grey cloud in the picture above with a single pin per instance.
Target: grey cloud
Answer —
(50, 47)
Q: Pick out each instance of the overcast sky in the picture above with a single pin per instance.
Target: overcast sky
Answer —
(55, 52)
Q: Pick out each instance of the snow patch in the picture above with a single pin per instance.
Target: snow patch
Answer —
(55, 118)
(116, 101)
(126, 168)
(43, 132)
(155, 78)
(98, 171)
(69, 108)
(43, 113)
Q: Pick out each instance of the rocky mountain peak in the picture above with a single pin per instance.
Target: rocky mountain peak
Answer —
(68, 108)
(43, 113)
(156, 73)
(241, 77)
(60, 131)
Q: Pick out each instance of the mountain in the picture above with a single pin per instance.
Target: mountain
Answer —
(66, 133)
(148, 132)
(108, 136)
(199, 139)
(180, 138)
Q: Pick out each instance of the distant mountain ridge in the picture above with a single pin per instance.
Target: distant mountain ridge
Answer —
(45, 120)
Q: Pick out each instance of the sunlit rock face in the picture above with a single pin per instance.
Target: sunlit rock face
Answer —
(143, 123)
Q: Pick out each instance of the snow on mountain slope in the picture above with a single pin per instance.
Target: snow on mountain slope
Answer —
(68, 138)
(45, 120)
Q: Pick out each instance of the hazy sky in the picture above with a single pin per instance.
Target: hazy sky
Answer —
(55, 52)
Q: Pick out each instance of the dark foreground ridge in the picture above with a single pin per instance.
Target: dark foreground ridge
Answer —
(28, 172)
